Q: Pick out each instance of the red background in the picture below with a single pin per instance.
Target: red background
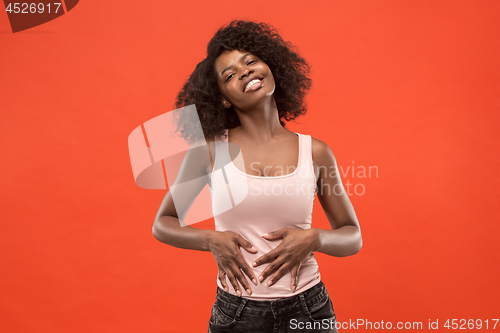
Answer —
(411, 87)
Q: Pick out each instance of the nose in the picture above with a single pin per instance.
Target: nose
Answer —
(247, 72)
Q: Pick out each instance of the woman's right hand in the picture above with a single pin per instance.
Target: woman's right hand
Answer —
(225, 246)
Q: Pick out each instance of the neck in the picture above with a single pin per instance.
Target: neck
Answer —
(260, 123)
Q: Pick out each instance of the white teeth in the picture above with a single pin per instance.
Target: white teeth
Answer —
(251, 83)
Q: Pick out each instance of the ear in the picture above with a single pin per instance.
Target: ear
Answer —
(225, 103)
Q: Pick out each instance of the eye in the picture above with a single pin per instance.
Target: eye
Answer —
(251, 62)
(229, 77)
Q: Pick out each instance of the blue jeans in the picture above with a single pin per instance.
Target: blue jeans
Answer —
(310, 311)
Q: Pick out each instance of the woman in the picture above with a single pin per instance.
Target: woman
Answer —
(249, 84)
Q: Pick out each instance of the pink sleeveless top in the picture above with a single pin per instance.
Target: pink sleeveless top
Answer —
(254, 205)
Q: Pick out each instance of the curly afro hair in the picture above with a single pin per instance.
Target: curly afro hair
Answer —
(289, 69)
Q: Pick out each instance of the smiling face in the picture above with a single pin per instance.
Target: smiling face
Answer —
(244, 79)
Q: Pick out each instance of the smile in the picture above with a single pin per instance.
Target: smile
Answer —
(254, 85)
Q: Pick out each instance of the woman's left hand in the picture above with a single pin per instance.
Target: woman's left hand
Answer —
(295, 247)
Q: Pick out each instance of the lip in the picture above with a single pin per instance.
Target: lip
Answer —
(251, 78)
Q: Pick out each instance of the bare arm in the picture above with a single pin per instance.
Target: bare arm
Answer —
(168, 227)
(192, 178)
(345, 238)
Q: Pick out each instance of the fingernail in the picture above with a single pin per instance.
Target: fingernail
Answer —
(254, 281)
(261, 278)
(270, 282)
(265, 235)
(254, 264)
(249, 292)
(238, 292)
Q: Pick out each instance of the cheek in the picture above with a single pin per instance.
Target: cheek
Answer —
(270, 77)
(270, 74)
(234, 87)
(228, 91)
(222, 91)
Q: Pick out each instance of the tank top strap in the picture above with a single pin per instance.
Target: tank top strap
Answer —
(221, 152)
(306, 161)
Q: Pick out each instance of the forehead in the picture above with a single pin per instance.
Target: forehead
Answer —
(228, 58)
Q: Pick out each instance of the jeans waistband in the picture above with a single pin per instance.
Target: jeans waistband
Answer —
(284, 306)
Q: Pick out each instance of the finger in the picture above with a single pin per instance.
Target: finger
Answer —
(243, 281)
(246, 244)
(248, 271)
(268, 257)
(222, 279)
(270, 269)
(275, 234)
(279, 273)
(295, 277)
(243, 265)
(233, 282)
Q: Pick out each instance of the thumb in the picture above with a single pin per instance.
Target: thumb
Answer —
(246, 244)
(275, 234)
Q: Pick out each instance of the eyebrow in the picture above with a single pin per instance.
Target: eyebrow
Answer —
(227, 68)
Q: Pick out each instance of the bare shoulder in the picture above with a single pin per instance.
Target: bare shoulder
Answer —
(322, 154)
(323, 158)
(197, 160)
